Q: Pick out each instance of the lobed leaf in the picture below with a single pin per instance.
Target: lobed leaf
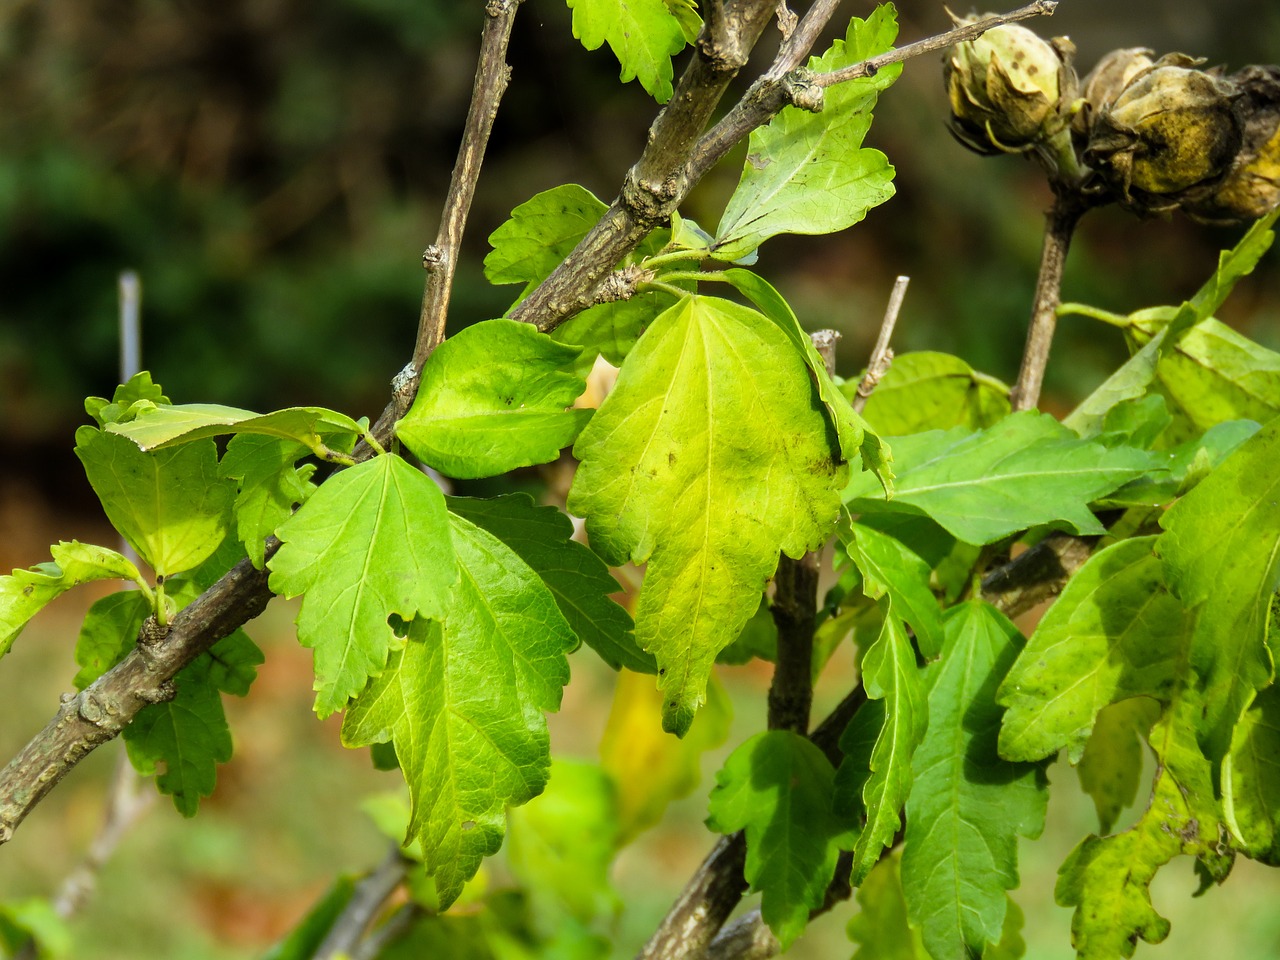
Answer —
(463, 702)
(107, 634)
(373, 541)
(890, 568)
(161, 427)
(778, 787)
(24, 593)
(540, 233)
(807, 172)
(1113, 633)
(493, 398)
(968, 805)
(643, 34)
(1251, 779)
(1110, 770)
(270, 486)
(1025, 471)
(579, 581)
(1221, 555)
(709, 456)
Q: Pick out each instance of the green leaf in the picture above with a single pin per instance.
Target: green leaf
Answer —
(649, 768)
(579, 581)
(541, 232)
(1111, 769)
(120, 406)
(932, 391)
(890, 568)
(181, 741)
(108, 633)
(856, 439)
(1112, 634)
(373, 541)
(889, 673)
(686, 11)
(968, 806)
(1221, 553)
(463, 703)
(562, 843)
(1107, 879)
(158, 428)
(1251, 779)
(169, 505)
(34, 920)
(778, 788)
(612, 329)
(25, 593)
(808, 172)
(1127, 383)
(643, 34)
(880, 928)
(1025, 471)
(270, 486)
(708, 457)
(494, 398)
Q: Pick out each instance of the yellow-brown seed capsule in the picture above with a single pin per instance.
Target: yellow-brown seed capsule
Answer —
(1171, 130)
(1252, 187)
(1006, 88)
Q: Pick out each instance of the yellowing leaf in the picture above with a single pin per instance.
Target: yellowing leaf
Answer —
(710, 455)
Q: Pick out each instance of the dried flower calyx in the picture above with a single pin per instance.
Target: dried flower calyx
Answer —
(1007, 89)
(1168, 134)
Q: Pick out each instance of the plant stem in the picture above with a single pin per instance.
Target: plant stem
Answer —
(1060, 224)
(370, 895)
(441, 258)
(881, 355)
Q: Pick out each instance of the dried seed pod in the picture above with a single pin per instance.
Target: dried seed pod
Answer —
(1106, 81)
(1007, 88)
(1252, 187)
(1171, 134)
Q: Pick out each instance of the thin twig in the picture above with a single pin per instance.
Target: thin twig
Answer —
(370, 896)
(441, 258)
(397, 925)
(968, 31)
(1060, 224)
(795, 47)
(881, 355)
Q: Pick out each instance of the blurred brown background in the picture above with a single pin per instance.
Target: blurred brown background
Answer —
(273, 170)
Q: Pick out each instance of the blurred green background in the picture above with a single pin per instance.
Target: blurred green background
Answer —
(273, 170)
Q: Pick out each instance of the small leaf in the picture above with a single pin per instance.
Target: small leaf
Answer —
(778, 788)
(139, 387)
(373, 541)
(889, 674)
(541, 232)
(1221, 553)
(758, 639)
(1025, 471)
(166, 426)
(709, 457)
(968, 806)
(305, 938)
(181, 741)
(643, 34)
(650, 768)
(25, 593)
(1112, 634)
(169, 505)
(580, 582)
(270, 486)
(463, 703)
(493, 398)
(932, 391)
(890, 568)
(808, 172)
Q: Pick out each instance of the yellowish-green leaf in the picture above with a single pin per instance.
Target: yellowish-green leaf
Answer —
(709, 457)
(932, 391)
